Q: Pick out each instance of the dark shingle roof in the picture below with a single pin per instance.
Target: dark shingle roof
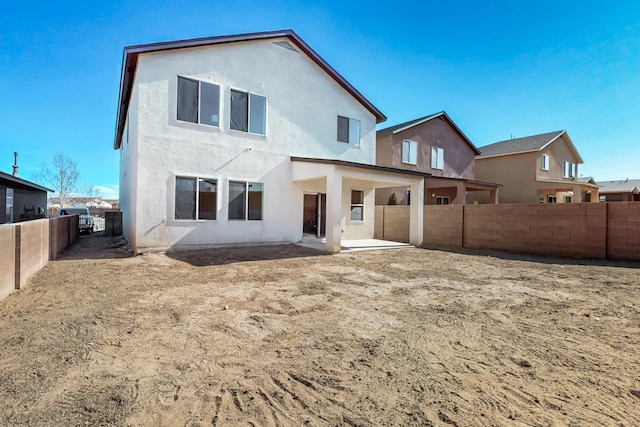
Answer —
(518, 145)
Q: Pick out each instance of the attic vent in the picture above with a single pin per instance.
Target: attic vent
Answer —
(285, 45)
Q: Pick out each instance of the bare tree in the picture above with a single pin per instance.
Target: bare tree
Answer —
(62, 176)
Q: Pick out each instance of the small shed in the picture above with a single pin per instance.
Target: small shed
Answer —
(21, 200)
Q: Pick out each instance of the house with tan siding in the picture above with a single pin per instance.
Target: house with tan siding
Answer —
(536, 169)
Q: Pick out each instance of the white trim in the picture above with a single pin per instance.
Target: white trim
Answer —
(426, 119)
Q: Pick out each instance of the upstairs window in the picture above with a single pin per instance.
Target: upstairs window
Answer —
(348, 130)
(569, 170)
(196, 198)
(544, 162)
(437, 158)
(248, 112)
(409, 152)
(357, 205)
(245, 200)
(198, 102)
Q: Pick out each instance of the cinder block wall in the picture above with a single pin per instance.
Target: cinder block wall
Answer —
(579, 230)
(59, 235)
(32, 249)
(571, 230)
(396, 223)
(623, 238)
(7, 259)
(443, 225)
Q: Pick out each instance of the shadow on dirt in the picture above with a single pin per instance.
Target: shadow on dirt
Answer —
(97, 247)
(222, 256)
(541, 259)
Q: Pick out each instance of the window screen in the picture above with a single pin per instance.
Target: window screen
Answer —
(187, 100)
(185, 203)
(209, 104)
(255, 200)
(207, 198)
(354, 132)
(357, 205)
(237, 199)
(257, 114)
(343, 129)
(239, 110)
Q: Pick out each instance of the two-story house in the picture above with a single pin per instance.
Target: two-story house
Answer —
(246, 139)
(536, 169)
(435, 145)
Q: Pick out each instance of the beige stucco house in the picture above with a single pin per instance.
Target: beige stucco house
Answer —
(536, 169)
(246, 139)
(435, 145)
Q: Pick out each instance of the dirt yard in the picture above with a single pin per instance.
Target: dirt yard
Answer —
(285, 336)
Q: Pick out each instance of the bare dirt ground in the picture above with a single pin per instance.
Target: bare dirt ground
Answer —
(397, 337)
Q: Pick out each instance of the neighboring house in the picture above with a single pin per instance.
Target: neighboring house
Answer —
(21, 200)
(625, 190)
(433, 144)
(246, 139)
(536, 169)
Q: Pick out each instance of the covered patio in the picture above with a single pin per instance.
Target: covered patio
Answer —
(458, 191)
(567, 191)
(348, 197)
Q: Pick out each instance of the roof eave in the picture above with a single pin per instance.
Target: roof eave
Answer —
(130, 59)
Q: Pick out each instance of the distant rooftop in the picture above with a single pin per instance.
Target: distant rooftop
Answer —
(620, 186)
(517, 145)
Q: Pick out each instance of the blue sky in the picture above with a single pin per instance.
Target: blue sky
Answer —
(499, 69)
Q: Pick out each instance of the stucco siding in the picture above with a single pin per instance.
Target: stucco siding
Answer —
(302, 106)
(515, 172)
(558, 153)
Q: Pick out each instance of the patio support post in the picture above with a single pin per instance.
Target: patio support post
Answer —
(334, 212)
(493, 196)
(577, 194)
(461, 194)
(416, 214)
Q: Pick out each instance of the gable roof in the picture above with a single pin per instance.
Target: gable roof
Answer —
(527, 144)
(130, 62)
(620, 186)
(411, 123)
(21, 183)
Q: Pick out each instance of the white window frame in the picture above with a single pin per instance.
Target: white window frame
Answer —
(409, 152)
(552, 198)
(569, 170)
(437, 158)
(197, 197)
(544, 162)
(442, 199)
(199, 102)
(247, 185)
(357, 205)
(251, 120)
(353, 133)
